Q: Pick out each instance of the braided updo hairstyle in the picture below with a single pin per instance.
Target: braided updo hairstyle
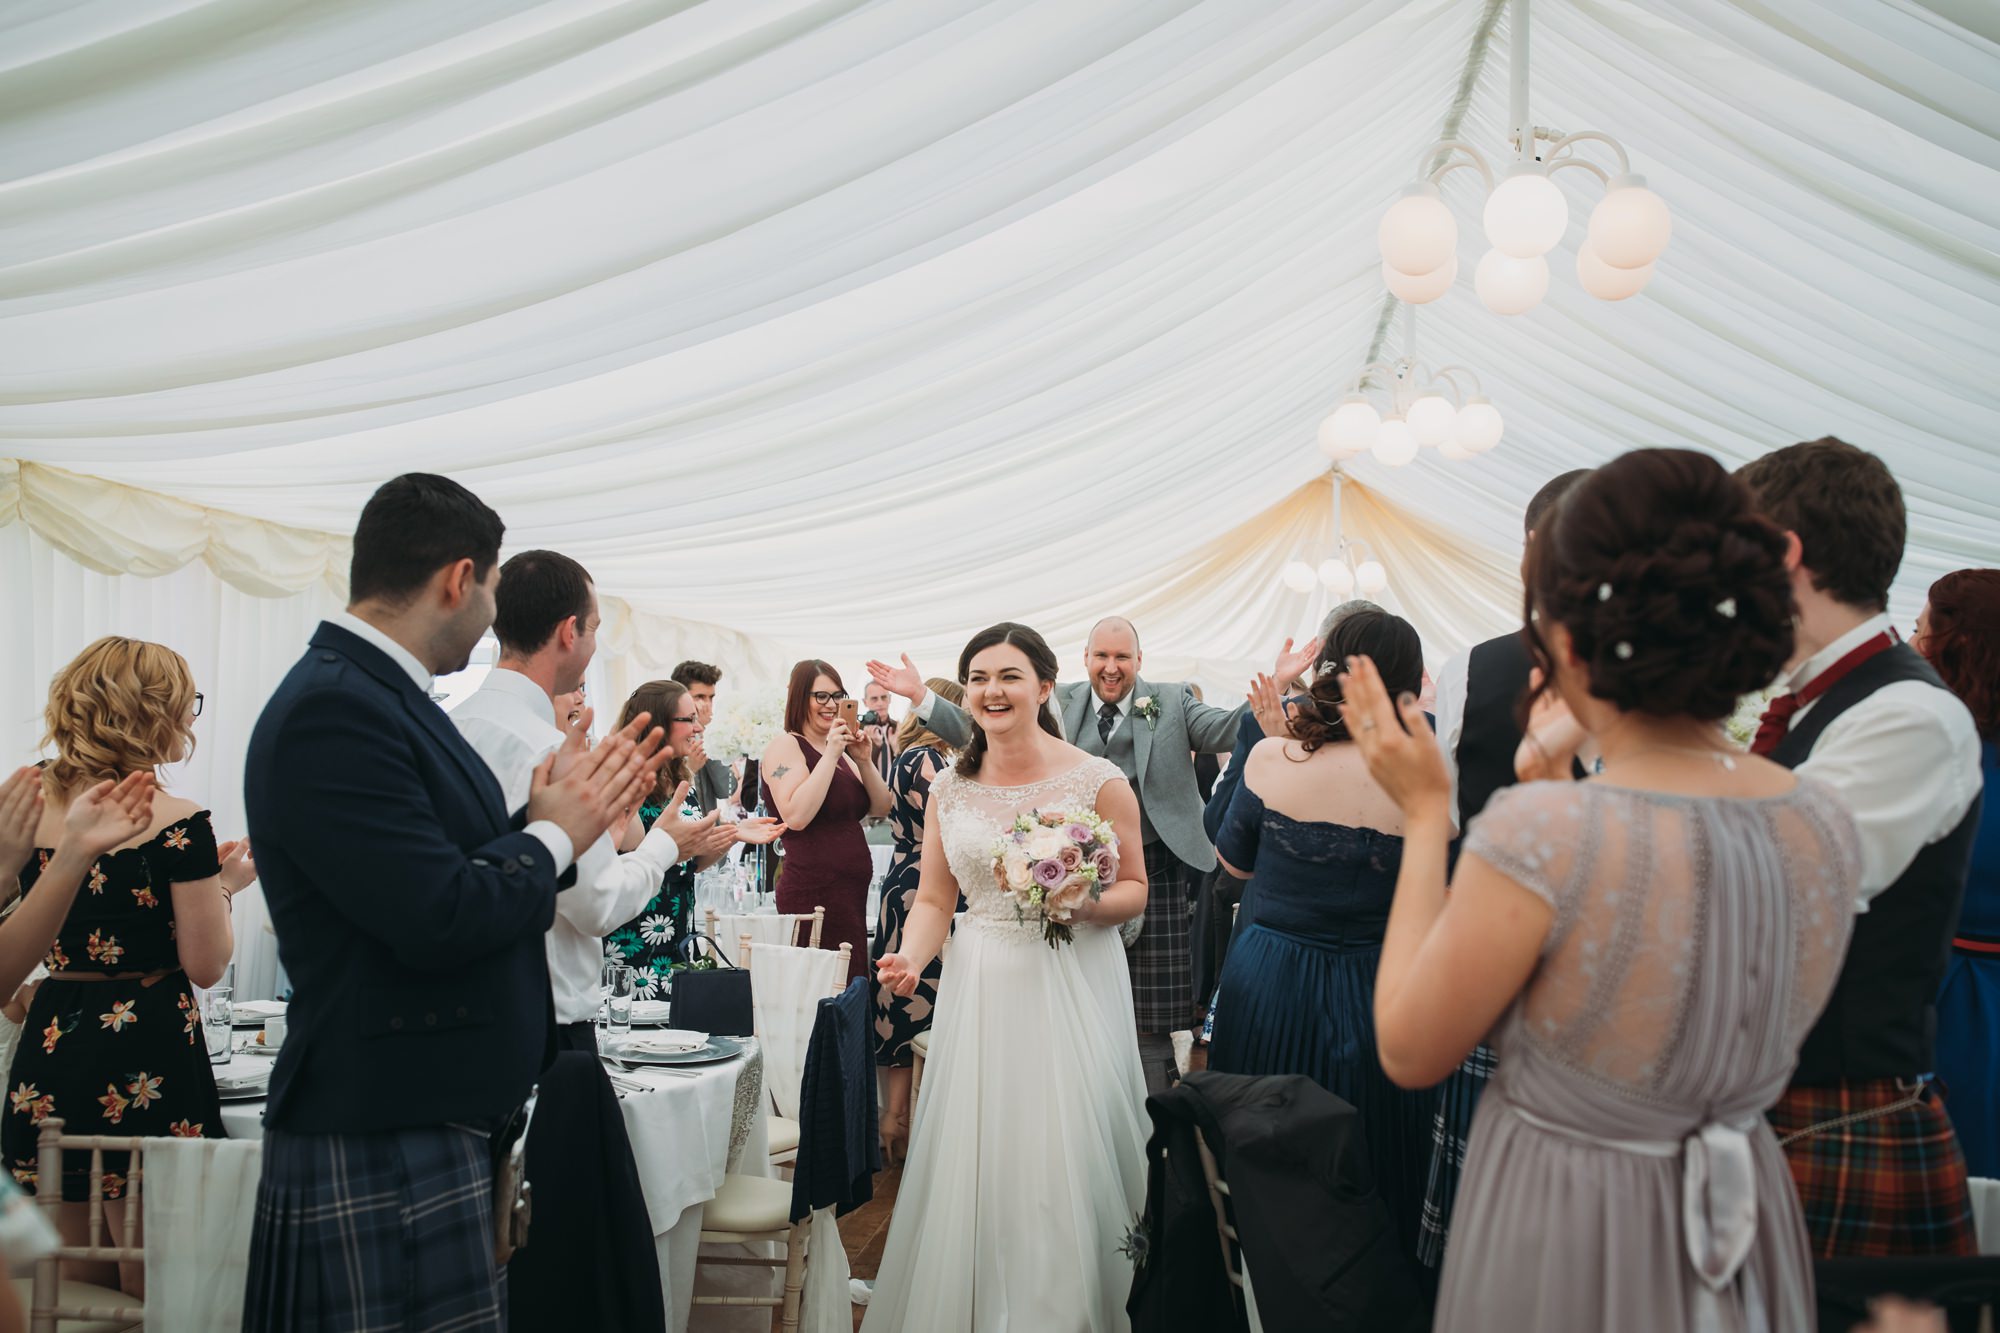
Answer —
(1671, 585)
(1389, 640)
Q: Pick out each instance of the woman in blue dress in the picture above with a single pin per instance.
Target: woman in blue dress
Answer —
(1959, 634)
(1321, 844)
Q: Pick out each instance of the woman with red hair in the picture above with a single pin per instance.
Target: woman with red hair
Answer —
(1959, 634)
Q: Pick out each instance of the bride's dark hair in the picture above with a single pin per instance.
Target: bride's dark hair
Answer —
(1036, 649)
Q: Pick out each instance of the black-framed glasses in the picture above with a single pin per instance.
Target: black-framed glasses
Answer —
(828, 696)
(690, 718)
(197, 703)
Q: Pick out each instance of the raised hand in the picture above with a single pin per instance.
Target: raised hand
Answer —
(1549, 746)
(1267, 705)
(596, 784)
(905, 680)
(697, 755)
(838, 737)
(685, 832)
(894, 971)
(1396, 740)
(20, 815)
(1293, 663)
(239, 869)
(108, 814)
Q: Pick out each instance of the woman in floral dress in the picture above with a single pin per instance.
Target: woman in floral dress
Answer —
(654, 942)
(113, 1041)
(920, 756)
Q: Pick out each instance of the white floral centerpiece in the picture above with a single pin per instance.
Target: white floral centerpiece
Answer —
(1741, 727)
(745, 727)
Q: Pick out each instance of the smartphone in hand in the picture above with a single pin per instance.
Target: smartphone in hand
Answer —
(850, 713)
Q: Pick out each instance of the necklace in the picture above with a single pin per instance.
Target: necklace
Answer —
(1722, 757)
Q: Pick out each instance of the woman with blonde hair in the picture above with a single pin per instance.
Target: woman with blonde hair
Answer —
(113, 1042)
(920, 756)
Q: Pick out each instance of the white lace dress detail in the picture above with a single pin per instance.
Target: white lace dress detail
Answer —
(975, 816)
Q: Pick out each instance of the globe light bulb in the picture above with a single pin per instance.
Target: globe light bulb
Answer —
(1630, 226)
(1431, 418)
(1508, 285)
(1337, 577)
(1420, 288)
(1370, 579)
(1394, 444)
(1298, 576)
(1605, 282)
(1478, 427)
(1526, 214)
(1349, 429)
(1418, 234)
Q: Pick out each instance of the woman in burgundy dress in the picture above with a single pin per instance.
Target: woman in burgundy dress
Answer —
(820, 779)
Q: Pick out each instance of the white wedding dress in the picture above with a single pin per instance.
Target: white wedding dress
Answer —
(1027, 1163)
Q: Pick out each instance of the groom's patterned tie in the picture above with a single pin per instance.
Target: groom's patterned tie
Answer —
(1107, 718)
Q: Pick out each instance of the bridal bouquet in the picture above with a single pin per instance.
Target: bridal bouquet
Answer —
(1051, 862)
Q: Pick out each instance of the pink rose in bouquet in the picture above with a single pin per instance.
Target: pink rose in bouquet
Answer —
(1051, 863)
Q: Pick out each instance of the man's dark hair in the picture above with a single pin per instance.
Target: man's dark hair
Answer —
(538, 591)
(1845, 506)
(412, 527)
(1545, 499)
(696, 673)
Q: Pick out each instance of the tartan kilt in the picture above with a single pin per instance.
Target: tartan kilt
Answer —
(1161, 960)
(375, 1231)
(1893, 1185)
(1451, 1129)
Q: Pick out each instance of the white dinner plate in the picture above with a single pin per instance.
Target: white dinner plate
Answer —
(714, 1049)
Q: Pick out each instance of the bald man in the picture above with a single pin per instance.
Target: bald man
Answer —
(1152, 732)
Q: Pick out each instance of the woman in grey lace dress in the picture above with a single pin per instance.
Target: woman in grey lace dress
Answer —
(1648, 947)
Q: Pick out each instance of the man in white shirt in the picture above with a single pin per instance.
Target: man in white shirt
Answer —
(546, 620)
(1871, 1148)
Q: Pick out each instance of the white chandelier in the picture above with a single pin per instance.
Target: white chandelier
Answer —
(1525, 214)
(1351, 569)
(1425, 407)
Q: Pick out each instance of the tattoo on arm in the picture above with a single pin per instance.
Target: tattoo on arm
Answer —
(781, 770)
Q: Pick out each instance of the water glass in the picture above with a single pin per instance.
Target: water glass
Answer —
(218, 1024)
(619, 985)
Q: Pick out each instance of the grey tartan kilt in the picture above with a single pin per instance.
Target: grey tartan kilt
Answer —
(1161, 960)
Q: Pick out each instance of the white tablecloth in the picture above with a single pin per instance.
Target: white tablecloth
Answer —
(679, 1130)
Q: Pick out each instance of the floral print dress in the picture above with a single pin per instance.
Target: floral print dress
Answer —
(121, 1056)
(652, 942)
(899, 1018)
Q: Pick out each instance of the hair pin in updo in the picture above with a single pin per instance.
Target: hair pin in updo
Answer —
(1623, 649)
(1603, 592)
(1726, 608)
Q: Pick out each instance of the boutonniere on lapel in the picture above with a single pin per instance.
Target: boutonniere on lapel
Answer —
(1148, 707)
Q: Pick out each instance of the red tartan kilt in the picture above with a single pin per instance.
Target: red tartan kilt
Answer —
(1890, 1186)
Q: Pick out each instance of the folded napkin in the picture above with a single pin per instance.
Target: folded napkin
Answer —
(666, 1041)
(649, 1011)
(234, 1077)
(259, 1009)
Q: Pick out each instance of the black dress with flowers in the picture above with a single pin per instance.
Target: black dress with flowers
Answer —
(117, 1056)
(652, 942)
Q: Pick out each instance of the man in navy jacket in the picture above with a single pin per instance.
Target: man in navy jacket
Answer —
(410, 906)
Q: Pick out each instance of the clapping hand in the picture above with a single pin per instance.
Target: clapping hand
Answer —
(894, 971)
(758, 830)
(1553, 737)
(239, 869)
(20, 815)
(905, 680)
(688, 834)
(583, 788)
(1267, 705)
(108, 814)
(697, 755)
(1396, 740)
(1293, 663)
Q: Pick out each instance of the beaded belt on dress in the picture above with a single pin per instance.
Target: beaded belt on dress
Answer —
(1718, 1195)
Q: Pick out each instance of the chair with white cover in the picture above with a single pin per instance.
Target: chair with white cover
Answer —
(87, 1307)
(727, 928)
(786, 986)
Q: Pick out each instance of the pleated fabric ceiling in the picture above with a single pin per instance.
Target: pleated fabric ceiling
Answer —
(843, 328)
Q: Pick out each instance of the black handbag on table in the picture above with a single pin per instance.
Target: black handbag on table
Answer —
(713, 1000)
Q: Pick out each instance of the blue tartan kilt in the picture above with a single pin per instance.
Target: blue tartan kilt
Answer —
(375, 1231)
(1458, 1098)
(1161, 960)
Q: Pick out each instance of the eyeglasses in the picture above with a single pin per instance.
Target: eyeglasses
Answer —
(197, 703)
(828, 696)
(689, 718)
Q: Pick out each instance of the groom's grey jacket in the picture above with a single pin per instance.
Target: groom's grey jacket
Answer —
(1159, 760)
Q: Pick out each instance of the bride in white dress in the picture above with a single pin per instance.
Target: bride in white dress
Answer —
(1027, 1164)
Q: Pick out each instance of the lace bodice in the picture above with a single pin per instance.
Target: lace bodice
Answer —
(974, 815)
(1694, 940)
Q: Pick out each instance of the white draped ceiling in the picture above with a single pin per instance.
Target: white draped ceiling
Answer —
(830, 327)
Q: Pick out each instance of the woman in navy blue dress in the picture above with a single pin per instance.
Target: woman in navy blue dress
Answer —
(1959, 634)
(1321, 845)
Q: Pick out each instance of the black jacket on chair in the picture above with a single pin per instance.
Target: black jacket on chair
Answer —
(409, 906)
(590, 1261)
(839, 1151)
(1316, 1238)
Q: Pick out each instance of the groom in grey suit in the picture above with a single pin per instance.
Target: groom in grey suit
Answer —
(1151, 731)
